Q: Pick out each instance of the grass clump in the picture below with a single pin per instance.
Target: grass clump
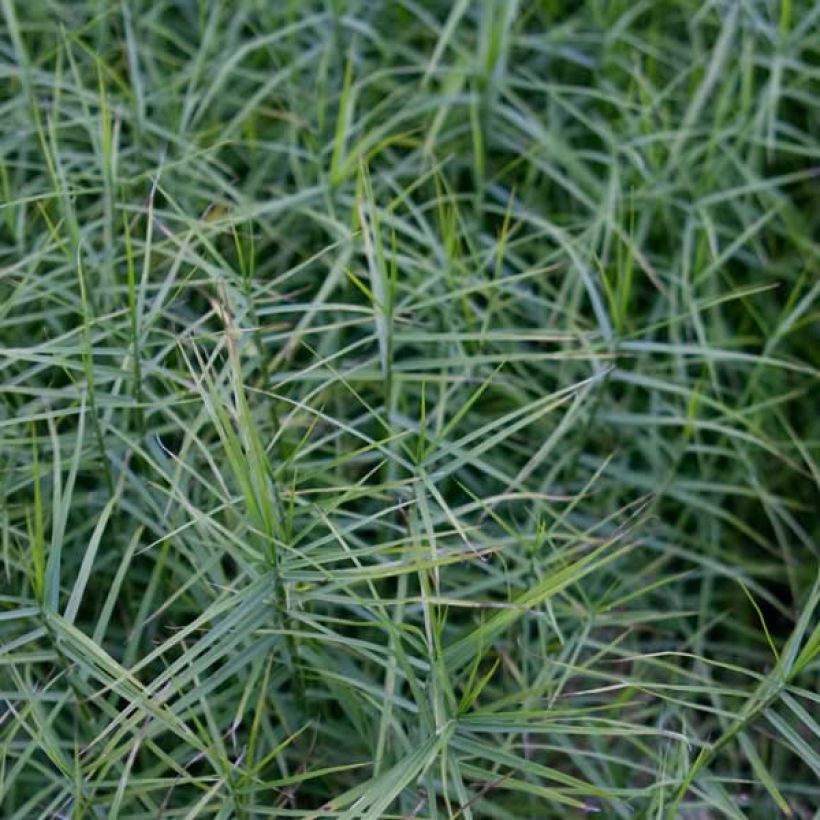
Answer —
(409, 409)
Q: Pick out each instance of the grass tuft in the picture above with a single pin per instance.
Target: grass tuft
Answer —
(409, 409)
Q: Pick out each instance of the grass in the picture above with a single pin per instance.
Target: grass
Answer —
(409, 409)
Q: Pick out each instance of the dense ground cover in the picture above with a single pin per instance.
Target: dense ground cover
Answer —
(409, 409)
